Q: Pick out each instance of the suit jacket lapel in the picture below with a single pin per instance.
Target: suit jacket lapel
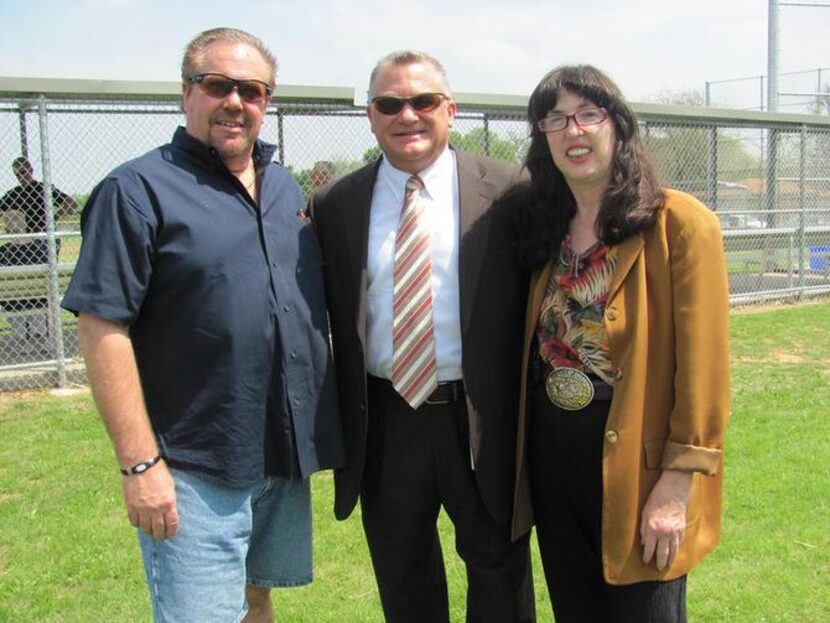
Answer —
(475, 194)
(355, 220)
(627, 253)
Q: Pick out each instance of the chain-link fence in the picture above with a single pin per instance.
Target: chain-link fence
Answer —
(766, 175)
(806, 91)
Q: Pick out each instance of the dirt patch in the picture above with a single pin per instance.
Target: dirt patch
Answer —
(8, 399)
(778, 356)
(759, 308)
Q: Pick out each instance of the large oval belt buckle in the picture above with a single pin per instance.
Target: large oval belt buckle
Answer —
(569, 388)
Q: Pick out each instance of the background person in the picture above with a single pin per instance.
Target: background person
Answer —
(626, 390)
(203, 326)
(28, 197)
(322, 174)
(425, 303)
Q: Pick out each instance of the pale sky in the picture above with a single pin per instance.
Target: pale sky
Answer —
(648, 46)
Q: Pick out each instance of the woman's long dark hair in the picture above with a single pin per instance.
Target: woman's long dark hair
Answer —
(633, 196)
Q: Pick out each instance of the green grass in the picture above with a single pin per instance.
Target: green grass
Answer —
(67, 553)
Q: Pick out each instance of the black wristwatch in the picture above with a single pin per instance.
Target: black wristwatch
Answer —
(140, 468)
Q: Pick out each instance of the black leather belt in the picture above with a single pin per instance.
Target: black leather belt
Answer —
(447, 392)
(602, 390)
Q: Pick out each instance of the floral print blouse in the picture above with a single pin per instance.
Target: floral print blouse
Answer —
(571, 331)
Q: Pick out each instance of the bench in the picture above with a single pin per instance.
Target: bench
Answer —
(31, 281)
(25, 298)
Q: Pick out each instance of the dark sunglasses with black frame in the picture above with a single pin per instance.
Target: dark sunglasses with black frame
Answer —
(219, 86)
(423, 102)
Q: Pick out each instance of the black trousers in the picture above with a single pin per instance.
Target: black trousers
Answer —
(416, 462)
(565, 461)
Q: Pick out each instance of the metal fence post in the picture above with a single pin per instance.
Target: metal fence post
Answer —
(24, 135)
(280, 137)
(54, 287)
(712, 170)
(486, 135)
(802, 210)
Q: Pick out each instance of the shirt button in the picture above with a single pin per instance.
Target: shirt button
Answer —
(286, 309)
(293, 354)
(274, 264)
(611, 436)
(619, 375)
(611, 314)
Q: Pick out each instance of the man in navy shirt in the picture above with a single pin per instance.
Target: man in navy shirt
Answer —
(202, 321)
(29, 197)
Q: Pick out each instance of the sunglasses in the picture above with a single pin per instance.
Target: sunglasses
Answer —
(424, 102)
(219, 86)
(557, 123)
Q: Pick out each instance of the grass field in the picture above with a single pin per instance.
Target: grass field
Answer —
(67, 553)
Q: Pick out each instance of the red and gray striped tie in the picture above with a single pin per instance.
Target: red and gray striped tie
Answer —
(414, 372)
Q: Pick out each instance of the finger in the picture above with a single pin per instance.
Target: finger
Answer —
(133, 518)
(674, 547)
(158, 526)
(145, 523)
(171, 523)
(649, 543)
(663, 547)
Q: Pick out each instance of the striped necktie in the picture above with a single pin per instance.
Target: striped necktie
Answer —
(414, 372)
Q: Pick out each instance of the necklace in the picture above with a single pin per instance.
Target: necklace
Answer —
(249, 174)
(575, 262)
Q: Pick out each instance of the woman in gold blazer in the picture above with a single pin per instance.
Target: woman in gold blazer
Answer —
(625, 382)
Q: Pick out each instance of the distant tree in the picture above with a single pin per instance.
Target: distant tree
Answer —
(817, 148)
(485, 142)
(371, 154)
(681, 153)
(692, 97)
(477, 141)
(822, 104)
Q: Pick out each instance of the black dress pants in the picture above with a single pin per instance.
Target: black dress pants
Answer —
(565, 461)
(416, 462)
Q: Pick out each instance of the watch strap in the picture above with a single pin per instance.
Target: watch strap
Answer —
(140, 468)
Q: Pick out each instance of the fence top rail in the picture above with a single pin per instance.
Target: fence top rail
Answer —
(727, 116)
(114, 90)
(59, 88)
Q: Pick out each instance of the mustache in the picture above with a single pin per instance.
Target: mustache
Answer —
(241, 119)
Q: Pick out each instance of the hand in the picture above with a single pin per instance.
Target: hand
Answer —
(663, 522)
(151, 501)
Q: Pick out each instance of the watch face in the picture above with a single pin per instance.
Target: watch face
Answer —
(140, 468)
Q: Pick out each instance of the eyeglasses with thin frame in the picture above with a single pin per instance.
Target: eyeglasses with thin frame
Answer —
(582, 118)
(423, 102)
(219, 86)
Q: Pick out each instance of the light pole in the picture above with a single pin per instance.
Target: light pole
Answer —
(772, 57)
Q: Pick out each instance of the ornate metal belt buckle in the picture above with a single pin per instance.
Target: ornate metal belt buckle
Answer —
(569, 388)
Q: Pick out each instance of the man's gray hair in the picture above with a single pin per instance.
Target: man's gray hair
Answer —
(194, 52)
(409, 57)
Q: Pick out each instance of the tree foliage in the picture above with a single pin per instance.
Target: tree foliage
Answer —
(684, 154)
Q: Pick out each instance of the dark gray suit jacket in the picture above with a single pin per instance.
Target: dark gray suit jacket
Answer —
(492, 300)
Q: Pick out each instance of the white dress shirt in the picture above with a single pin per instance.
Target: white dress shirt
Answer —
(440, 203)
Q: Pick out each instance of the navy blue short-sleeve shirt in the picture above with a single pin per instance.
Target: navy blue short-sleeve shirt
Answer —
(225, 307)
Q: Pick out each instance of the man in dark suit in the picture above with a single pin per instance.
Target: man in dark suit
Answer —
(425, 305)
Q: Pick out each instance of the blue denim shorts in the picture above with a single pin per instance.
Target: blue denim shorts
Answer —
(228, 538)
